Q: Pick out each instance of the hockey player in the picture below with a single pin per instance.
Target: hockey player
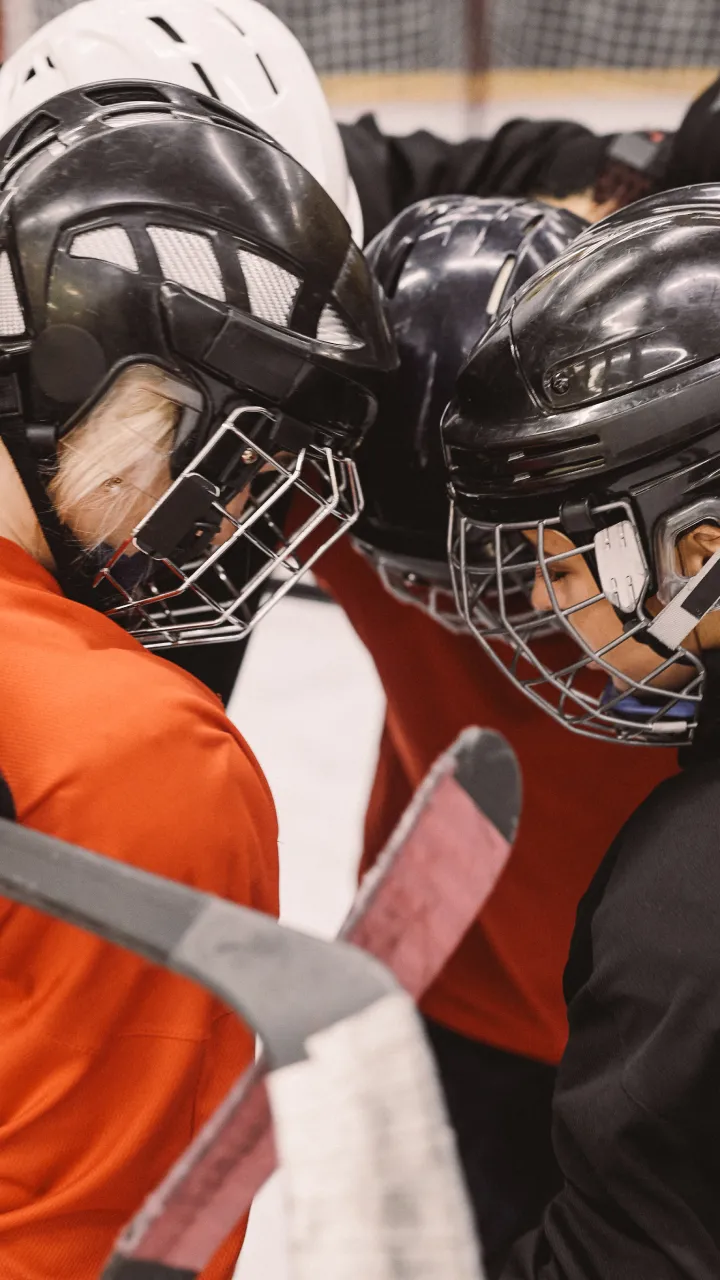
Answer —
(588, 424)
(164, 266)
(239, 51)
(496, 1016)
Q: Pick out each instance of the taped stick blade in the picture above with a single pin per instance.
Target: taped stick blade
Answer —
(442, 862)
(487, 769)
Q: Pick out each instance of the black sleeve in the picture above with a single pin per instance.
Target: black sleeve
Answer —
(636, 1114)
(524, 158)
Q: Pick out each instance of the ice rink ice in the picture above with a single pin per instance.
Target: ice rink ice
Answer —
(310, 706)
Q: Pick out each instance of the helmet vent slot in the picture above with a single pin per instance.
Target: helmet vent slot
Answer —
(209, 86)
(109, 95)
(495, 466)
(39, 124)
(135, 117)
(397, 266)
(268, 77)
(12, 320)
(271, 289)
(106, 244)
(188, 259)
(333, 329)
(232, 21)
(499, 288)
(169, 31)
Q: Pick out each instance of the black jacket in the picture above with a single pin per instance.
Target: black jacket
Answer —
(524, 158)
(636, 1124)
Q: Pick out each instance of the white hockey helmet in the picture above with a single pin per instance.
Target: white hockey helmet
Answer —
(235, 50)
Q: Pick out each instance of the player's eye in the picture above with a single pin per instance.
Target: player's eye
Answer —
(554, 573)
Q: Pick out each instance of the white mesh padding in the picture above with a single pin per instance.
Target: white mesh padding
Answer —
(188, 259)
(12, 320)
(333, 329)
(106, 244)
(271, 289)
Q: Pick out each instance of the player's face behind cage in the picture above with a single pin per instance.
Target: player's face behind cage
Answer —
(615, 686)
(600, 454)
(192, 558)
(218, 335)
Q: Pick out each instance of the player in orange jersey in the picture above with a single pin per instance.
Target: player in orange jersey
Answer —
(185, 329)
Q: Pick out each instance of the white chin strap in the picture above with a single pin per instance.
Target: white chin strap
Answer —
(697, 598)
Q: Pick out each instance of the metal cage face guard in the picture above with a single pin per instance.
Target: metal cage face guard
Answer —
(474, 577)
(421, 583)
(639, 713)
(247, 562)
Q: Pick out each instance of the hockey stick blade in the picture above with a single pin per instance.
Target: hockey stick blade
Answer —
(427, 887)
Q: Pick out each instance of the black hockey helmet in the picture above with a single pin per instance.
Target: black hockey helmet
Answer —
(593, 409)
(693, 154)
(145, 223)
(446, 266)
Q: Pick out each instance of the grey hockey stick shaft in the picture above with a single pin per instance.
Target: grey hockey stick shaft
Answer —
(277, 980)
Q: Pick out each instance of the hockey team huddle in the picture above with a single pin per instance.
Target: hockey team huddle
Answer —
(237, 344)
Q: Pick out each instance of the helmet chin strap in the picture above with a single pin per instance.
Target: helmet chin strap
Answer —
(66, 551)
(688, 608)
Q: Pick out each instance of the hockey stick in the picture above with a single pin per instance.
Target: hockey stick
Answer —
(277, 980)
(425, 891)
(325, 1011)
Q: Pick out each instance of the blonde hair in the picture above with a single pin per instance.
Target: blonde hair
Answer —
(115, 464)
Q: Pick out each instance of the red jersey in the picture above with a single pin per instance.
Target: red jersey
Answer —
(110, 1065)
(504, 984)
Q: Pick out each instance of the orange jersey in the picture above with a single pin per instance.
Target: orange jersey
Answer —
(110, 1065)
(504, 984)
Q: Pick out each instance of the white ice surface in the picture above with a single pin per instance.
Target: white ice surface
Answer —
(310, 705)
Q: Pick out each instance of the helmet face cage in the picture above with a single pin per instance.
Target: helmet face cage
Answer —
(220, 590)
(476, 587)
(423, 583)
(637, 712)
